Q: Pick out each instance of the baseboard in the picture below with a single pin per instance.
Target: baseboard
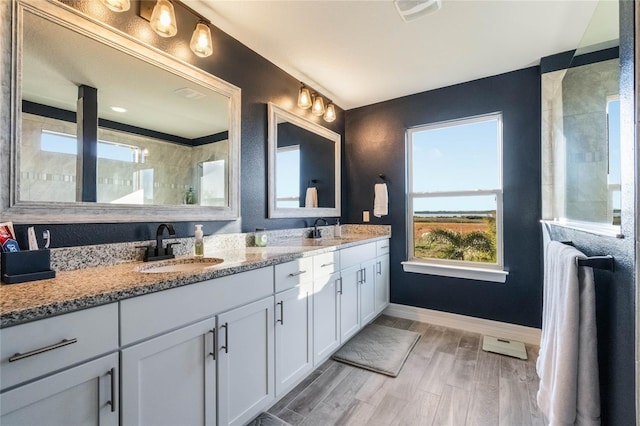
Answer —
(503, 330)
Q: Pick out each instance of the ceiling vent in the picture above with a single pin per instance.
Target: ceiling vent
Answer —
(414, 9)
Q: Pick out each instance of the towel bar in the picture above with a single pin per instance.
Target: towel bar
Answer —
(599, 262)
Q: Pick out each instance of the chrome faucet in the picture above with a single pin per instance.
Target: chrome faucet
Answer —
(316, 233)
(159, 252)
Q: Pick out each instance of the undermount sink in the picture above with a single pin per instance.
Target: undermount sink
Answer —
(190, 264)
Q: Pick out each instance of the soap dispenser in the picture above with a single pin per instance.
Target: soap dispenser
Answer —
(337, 230)
(199, 243)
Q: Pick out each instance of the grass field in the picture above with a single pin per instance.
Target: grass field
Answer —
(461, 225)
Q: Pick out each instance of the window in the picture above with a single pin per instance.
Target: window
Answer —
(455, 198)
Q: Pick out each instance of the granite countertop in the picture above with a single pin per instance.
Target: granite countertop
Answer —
(84, 288)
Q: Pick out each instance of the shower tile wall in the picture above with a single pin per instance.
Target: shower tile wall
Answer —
(575, 142)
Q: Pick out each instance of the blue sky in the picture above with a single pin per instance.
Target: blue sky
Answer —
(454, 158)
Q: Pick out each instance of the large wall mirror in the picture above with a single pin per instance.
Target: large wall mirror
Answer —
(109, 129)
(304, 167)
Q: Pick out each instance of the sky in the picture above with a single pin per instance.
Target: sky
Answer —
(455, 158)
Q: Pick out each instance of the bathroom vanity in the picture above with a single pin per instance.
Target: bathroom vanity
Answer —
(118, 345)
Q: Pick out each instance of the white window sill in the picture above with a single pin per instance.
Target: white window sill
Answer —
(481, 274)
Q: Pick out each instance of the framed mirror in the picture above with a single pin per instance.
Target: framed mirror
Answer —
(304, 167)
(109, 129)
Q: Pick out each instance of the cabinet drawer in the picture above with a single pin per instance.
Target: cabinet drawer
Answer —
(149, 315)
(382, 247)
(355, 255)
(326, 263)
(290, 274)
(37, 348)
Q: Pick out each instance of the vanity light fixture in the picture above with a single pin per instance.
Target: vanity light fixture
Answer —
(330, 113)
(163, 19)
(318, 106)
(304, 98)
(117, 5)
(201, 43)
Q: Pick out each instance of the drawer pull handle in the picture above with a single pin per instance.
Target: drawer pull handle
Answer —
(295, 274)
(324, 265)
(226, 337)
(65, 342)
(384, 247)
(112, 401)
(281, 320)
(213, 353)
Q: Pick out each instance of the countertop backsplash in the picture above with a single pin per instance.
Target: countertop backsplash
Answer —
(81, 257)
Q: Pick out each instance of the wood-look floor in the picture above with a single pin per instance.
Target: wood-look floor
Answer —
(447, 380)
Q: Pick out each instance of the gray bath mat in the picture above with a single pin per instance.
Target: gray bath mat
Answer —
(378, 348)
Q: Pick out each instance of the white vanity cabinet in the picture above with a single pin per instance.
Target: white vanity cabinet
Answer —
(382, 276)
(182, 364)
(293, 322)
(70, 376)
(358, 288)
(326, 305)
(245, 362)
(171, 379)
(82, 395)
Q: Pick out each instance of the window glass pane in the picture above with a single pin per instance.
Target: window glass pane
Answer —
(456, 157)
(456, 228)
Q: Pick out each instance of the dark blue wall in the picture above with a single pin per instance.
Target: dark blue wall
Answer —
(375, 144)
(261, 82)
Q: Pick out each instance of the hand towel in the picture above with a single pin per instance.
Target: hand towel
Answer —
(568, 363)
(380, 200)
(311, 199)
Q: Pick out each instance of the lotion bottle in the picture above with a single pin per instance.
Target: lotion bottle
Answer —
(199, 243)
(337, 230)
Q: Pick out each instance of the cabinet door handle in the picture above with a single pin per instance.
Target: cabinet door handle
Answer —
(65, 342)
(339, 280)
(112, 401)
(379, 267)
(364, 275)
(281, 320)
(324, 265)
(295, 274)
(213, 353)
(226, 337)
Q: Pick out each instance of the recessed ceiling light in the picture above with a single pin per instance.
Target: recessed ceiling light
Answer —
(118, 109)
(189, 93)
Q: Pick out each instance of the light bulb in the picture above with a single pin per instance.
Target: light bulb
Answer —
(201, 43)
(318, 106)
(163, 19)
(330, 113)
(117, 5)
(304, 98)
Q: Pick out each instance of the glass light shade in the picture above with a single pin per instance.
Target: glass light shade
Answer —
(117, 5)
(163, 19)
(304, 98)
(318, 106)
(330, 113)
(201, 43)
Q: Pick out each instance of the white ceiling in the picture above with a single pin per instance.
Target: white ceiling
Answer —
(361, 52)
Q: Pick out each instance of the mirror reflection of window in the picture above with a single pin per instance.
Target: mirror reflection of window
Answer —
(212, 183)
(614, 175)
(288, 176)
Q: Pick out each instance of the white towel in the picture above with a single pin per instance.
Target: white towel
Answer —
(568, 362)
(311, 199)
(380, 200)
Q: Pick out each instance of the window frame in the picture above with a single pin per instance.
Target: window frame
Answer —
(449, 267)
